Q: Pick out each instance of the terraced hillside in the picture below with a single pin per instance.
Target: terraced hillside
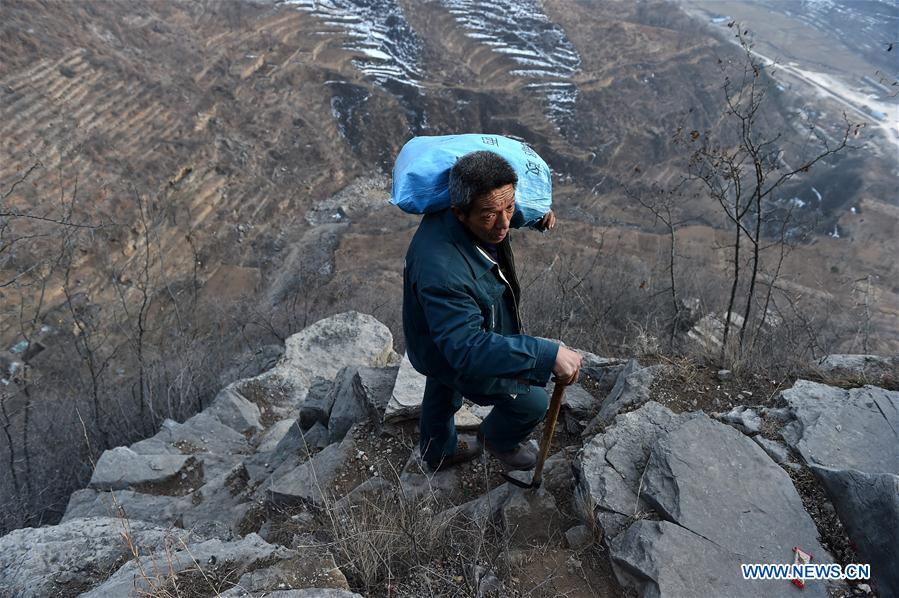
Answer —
(228, 121)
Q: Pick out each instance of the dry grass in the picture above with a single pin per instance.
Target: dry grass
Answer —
(400, 543)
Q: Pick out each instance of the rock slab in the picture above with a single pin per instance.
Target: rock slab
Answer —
(868, 506)
(612, 464)
(405, 401)
(713, 481)
(135, 579)
(121, 467)
(719, 498)
(631, 390)
(235, 411)
(50, 561)
(850, 439)
(871, 368)
(322, 349)
(408, 393)
(311, 481)
(844, 429)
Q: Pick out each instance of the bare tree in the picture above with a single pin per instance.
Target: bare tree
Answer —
(741, 166)
(662, 204)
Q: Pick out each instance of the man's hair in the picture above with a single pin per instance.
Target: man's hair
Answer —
(477, 174)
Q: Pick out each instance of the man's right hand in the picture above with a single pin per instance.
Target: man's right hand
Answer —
(568, 365)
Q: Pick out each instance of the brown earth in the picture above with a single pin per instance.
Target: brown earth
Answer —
(218, 115)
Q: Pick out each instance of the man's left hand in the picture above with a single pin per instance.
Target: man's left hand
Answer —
(548, 222)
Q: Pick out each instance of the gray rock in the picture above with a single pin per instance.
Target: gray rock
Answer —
(850, 439)
(558, 473)
(708, 332)
(778, 415)
(311, 481)
(134, 506)
(309, 568)
(630, 391)
(579, 402)
(241, 555)
(407, 394)
(481, 411)
(299, 442)
(121, 467)
(714, 519)
(868, 506)
(659, 558)
(871, 368)
(420, 484)
(578, 537)
(234, 410)
(530, 516)
(375, 386)
(485, 508)
(570, 423)
(322, 349)
(775, 450)
(408, 391)
(612, 463)
(725, 375)
(690, 312)
(359, 394)
(34, 562)
(743, 419)
(217, 446)
(218, 507)
(839, 429)
(274, 435)
(251, 362)
(603, 370)
(713, 481)
(292, 451)
(202, 433)
(317, 405)
(349, 407)
(316, 437)
(223, 500)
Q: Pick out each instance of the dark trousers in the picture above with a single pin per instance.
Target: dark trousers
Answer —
(510, 421)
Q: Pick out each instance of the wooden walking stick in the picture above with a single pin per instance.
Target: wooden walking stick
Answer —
(552, 416)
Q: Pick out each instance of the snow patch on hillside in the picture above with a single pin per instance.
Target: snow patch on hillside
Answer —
(388, 47)
(521, 31)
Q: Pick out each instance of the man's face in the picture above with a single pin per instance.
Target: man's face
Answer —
(489, 217)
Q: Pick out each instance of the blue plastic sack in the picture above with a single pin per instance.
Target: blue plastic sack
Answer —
(421, 172)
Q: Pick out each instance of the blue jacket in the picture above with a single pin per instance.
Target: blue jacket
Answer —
(460, 315)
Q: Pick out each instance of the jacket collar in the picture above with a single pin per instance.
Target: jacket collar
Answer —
(477, 259)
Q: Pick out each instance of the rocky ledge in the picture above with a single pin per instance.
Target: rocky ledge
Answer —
(233, 501)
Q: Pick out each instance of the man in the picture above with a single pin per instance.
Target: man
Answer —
(462, 325)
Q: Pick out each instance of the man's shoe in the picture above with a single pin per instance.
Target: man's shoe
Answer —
(467, 448)
(522, 457)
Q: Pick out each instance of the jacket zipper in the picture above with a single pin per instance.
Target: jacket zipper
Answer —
(511, 292)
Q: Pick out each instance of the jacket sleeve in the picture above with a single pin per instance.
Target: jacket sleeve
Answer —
(455, 323)
(518, 221)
